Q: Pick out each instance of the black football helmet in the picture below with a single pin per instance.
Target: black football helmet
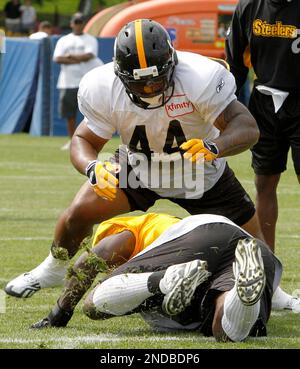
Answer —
(144, 61)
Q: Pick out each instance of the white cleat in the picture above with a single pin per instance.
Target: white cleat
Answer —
(179, 284)
(25, 285)
(293, 304)
(283, 301)
(50, 273)
(249, 271)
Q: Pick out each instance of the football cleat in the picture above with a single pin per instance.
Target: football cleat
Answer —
(50, 273)
(57, 317)
(44, 323)
(249, 271)
(25, 285)
(283, 301)
(293, 304)
(179, 284)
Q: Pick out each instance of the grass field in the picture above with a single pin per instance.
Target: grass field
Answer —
(37, 182)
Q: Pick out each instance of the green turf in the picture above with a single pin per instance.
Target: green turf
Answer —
(37, 181)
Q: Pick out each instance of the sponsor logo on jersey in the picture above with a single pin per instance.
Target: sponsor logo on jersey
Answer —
(264, 29)
(178, 106)
(220, 86)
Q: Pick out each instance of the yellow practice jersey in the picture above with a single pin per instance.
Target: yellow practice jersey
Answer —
(146, 228)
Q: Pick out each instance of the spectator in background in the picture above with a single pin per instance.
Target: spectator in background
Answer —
(77, 53)
(28, 17)
(222, 30)
(45, 30)
(12, 13)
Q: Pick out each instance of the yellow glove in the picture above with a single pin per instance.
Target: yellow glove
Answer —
(196, 147)
(103, 182)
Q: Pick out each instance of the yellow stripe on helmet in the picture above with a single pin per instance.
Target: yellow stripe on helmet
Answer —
(140, 43)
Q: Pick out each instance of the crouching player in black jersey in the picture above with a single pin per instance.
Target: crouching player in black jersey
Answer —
(204, 273)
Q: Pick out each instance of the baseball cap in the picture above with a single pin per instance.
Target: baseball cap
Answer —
(77, 18)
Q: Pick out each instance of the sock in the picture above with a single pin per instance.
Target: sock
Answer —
(122, 293)
(59, 317)
(281, 300)
(238, 319)
(154, 281)
(51, 272)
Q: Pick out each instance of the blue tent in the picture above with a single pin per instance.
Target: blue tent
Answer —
(28, 93)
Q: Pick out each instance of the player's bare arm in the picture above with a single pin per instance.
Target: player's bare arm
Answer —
(85, 147)
(113, 250)
(116, 249)
(239, 131)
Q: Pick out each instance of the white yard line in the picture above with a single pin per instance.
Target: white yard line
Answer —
(35, 177)
(36, 192)
(24, 210)
(25, 238)
(291, 236)
(27, 164)
(102, 338)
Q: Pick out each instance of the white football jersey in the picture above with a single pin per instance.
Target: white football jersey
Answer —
(185, 226)
(203, 89)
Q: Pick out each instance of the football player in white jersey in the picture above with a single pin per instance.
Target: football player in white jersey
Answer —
(169, 108)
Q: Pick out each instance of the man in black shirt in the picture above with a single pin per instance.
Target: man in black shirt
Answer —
(268, 30)
(12, 13)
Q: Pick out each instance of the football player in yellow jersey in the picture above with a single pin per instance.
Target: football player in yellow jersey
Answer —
(165, 281)
(115, 241)
(146, 228)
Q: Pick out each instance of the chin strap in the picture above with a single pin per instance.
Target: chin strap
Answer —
(142, 104)
(281, 2)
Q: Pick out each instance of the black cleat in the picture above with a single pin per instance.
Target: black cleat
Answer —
(44, 323)
(56, 318)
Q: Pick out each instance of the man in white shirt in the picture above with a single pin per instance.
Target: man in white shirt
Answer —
(28, 17)
(170, 108)
(77, 53)
(45, 30)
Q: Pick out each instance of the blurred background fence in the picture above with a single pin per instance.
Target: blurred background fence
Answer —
(28, 93)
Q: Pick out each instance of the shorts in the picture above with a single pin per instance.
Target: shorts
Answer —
(68, 104)
(215, 243)
(278, 133)
(227, 198)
